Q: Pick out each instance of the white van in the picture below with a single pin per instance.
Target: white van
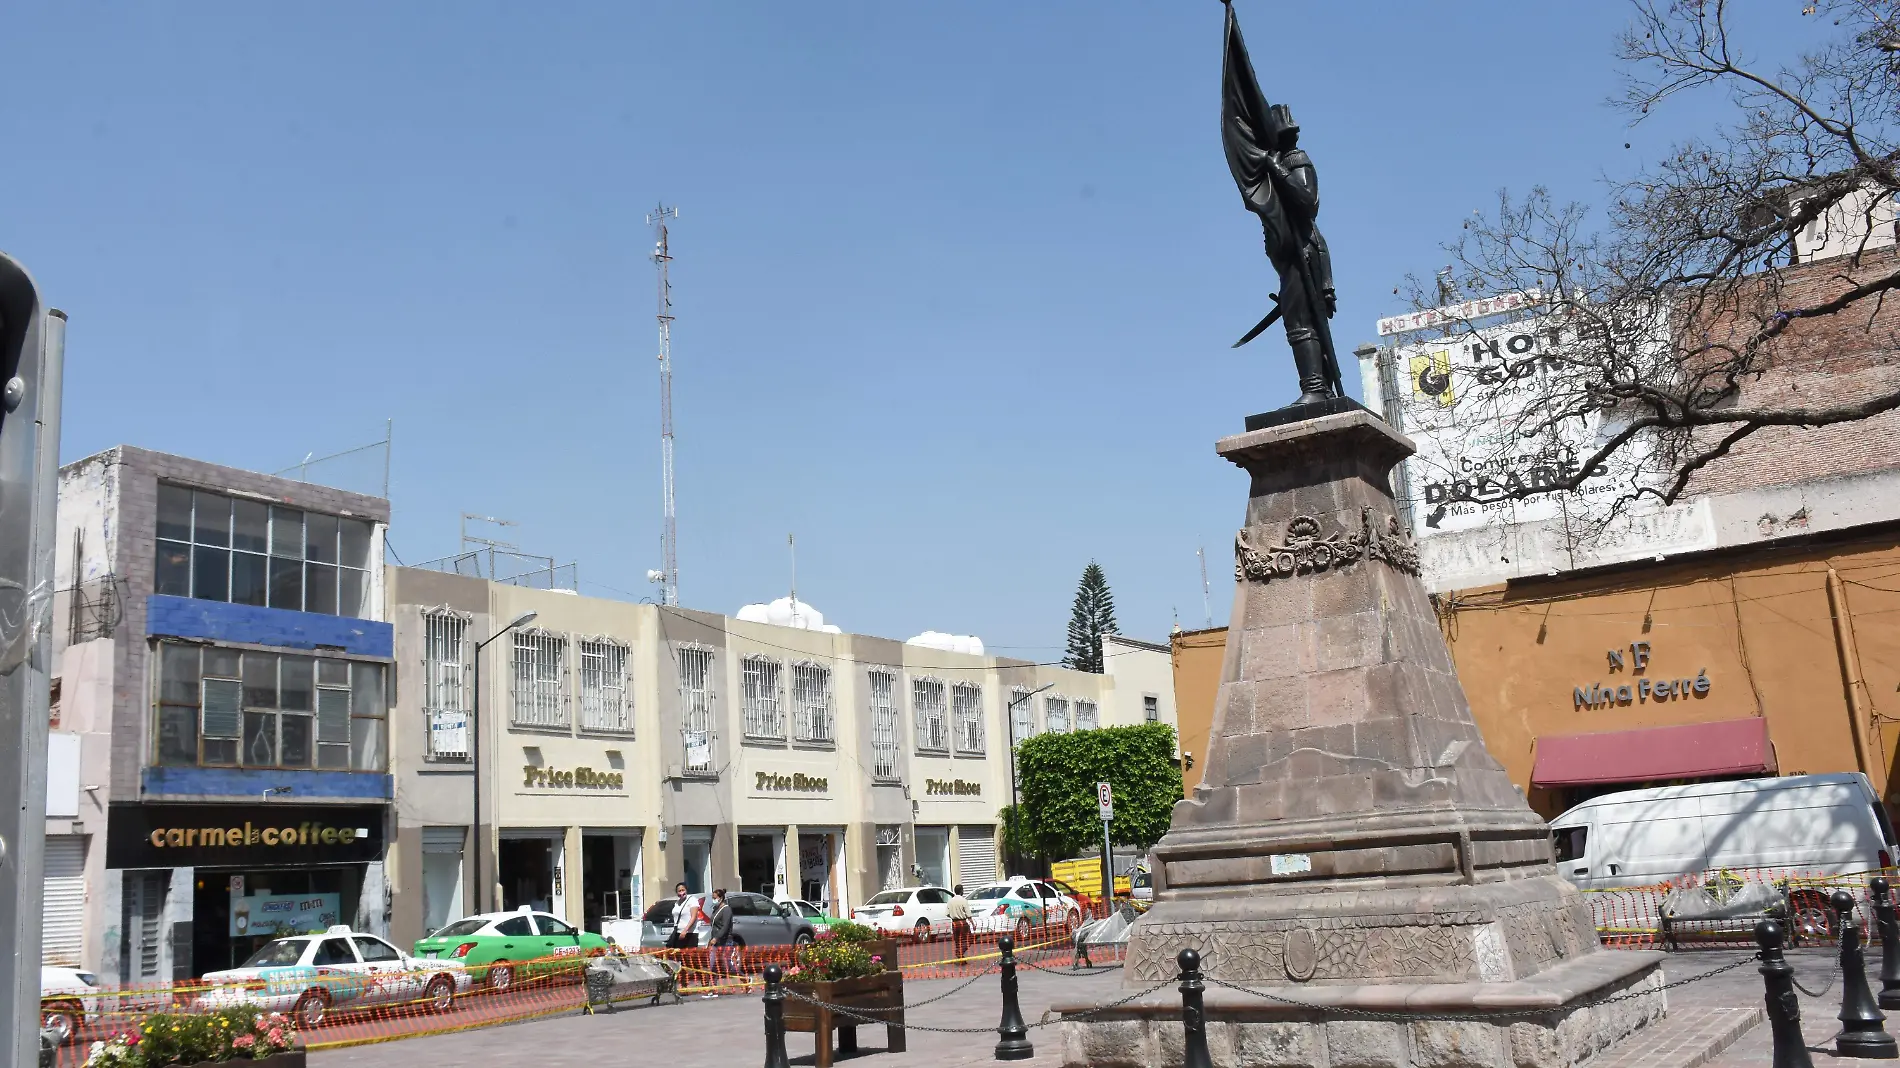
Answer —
(1805, 824)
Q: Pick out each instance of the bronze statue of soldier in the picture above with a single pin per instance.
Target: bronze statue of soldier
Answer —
(1279, 185)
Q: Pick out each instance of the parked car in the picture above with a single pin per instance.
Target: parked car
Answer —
(657, 924)
(757, 920)
(67, 997)
(820, 919)
(340, 970)
(504, 947)
(1059, 904)
(1006, 908)
(922, 912)
(1797, 825)
(1141, 885)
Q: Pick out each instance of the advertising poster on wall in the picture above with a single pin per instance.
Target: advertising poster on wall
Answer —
(1479, 405)
(277, 915)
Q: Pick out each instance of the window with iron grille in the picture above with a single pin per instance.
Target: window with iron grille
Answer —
(696, 706)
(926, 705)
(1022, 715)
(966, 709)
(1055, 712)
(811, 702)
(1086, 716)
(1151, 709)
(603, 684)
(883, 724)
(764, 704)
(540, 679)
(444, 669)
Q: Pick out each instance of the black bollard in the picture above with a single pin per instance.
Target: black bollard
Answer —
(1014, 1044)
(1193, 1016)
(775, 1019)
(1784, 1010)
(1889, 944)
(1862, 1033)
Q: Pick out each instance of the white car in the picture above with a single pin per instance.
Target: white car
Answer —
(340, 970)
(1058, 905)
(922, 912)
(1014, 909)
(67, 997)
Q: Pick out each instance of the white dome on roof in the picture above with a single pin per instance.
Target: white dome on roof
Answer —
(949, 643)
(786, 612)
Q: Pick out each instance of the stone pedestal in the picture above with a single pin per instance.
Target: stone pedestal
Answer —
(1352, 842)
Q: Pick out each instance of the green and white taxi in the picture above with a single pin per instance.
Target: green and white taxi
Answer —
(503, 948)
(340, 970)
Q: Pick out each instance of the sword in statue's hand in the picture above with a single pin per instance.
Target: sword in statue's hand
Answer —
(1272, 316)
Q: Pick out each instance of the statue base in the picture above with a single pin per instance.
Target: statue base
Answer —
(1352, 846)
(1297, 412)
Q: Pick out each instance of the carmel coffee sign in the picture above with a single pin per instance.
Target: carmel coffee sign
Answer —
(254, 835)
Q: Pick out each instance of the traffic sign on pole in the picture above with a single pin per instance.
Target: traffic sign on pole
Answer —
(1105, 800)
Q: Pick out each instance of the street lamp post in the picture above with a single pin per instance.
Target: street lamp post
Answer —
(1009, 721)
(475, 757)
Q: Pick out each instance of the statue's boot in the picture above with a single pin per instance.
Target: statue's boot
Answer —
(1310, 360)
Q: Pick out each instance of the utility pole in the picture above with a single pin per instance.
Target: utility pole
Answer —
(32, 356)
(669, 535)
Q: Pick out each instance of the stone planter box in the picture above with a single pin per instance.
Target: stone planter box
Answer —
(290, 1059)
(883, 991)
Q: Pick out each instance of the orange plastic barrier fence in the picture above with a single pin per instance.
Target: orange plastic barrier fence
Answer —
(358, 1009)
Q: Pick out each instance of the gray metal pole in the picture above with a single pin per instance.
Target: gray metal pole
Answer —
(31, 358)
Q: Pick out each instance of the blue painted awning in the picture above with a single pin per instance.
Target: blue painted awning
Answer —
(184, 617)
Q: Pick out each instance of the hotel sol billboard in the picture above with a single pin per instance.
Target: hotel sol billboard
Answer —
(1474, 401)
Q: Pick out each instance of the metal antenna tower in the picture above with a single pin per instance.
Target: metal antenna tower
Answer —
(669, 575)
(1207, 605)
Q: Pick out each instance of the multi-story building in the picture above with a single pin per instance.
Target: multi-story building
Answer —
(220, 746)
(625, 747)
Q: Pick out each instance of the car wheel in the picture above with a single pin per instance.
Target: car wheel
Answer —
(440, 994)
(1022, 931)
(800, 942)
(1811, 918)
(311, 1009)
(501, 976)
(1074, 921)
(61, 1017)
(921, 932)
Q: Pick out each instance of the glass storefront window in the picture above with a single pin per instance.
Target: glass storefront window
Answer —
(224, 707)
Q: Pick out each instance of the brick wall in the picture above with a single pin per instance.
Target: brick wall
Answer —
(1833, 359)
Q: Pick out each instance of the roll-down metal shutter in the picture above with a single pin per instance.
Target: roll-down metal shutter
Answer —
(64, 909)
(976, 855)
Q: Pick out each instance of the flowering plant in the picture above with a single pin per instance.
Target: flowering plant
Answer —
(846, 931)
(163, 1039)
(825, 962)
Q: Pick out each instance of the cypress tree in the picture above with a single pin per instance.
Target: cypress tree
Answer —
(1092, 617)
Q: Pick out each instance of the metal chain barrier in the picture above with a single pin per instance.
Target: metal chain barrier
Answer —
(858, 1014)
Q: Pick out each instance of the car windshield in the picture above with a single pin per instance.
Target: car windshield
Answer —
(282, 951)
(890, 897)
(661, 913)
(990, 893)
(462, 927)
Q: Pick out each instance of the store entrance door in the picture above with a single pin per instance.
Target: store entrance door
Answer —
(762, 862)
(819, 856)
(530, 870)
(610, 878)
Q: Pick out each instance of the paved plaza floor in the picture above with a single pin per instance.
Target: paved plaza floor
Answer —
(729, 1030)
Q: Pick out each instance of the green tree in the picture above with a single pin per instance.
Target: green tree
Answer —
(1058, 774)
(1092, 617)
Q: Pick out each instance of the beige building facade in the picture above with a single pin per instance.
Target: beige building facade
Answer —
(627, 747)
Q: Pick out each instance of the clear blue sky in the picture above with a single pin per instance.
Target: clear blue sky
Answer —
(955, 282)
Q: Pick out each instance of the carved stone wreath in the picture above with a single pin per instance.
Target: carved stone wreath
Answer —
(1304, 551)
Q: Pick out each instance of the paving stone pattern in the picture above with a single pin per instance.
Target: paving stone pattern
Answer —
(730, 1031)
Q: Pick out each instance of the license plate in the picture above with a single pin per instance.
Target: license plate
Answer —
(431, 953)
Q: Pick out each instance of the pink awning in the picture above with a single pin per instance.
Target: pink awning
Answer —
(1688, 751)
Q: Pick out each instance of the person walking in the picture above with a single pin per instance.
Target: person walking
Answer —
(720, 934)
(959, 914)
(689, 919)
